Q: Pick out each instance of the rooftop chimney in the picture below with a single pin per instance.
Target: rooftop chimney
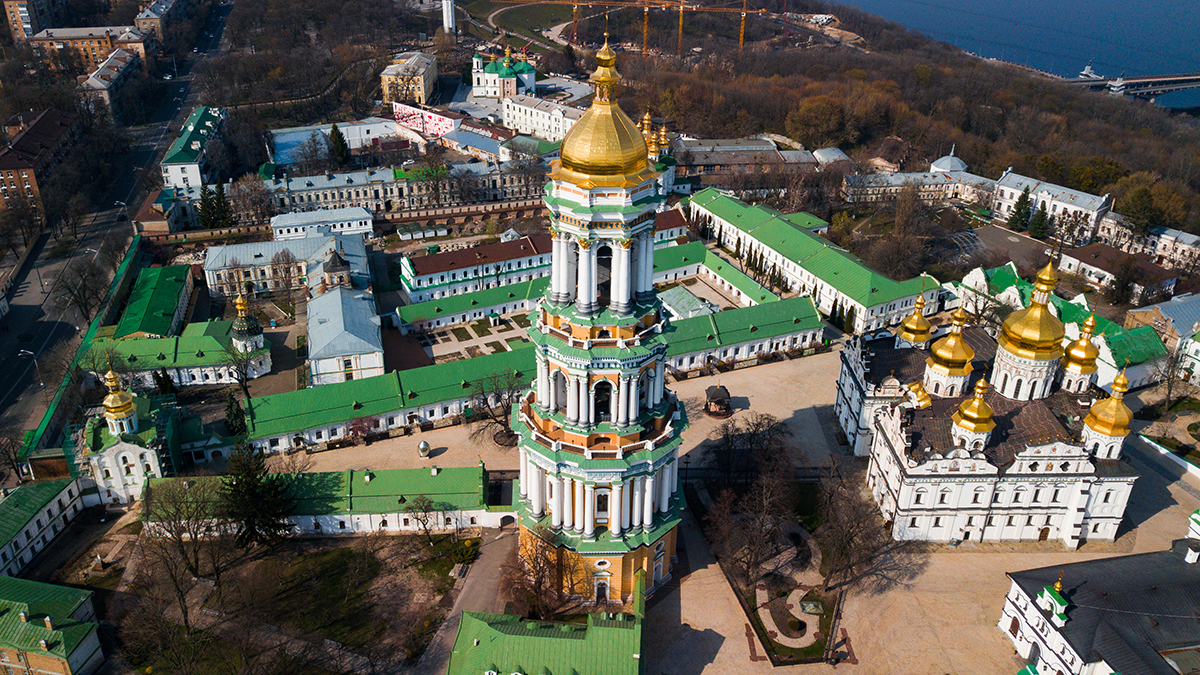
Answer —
(45, 647)
(49, 623)
(23, 617)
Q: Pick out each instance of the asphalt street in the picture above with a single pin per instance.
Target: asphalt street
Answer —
(36, 323)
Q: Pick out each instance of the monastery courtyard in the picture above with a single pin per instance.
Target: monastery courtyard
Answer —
(943, 622)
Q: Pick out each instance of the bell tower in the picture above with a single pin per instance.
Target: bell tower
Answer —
(599, 431)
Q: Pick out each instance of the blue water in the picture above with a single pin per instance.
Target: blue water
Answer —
(1135, 37)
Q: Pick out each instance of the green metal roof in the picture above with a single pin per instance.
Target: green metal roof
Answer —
(38, 601)
(294, 411)
(741, 325)
(459, 304)
(455, 379)
(675, 257)
(199, 128)
(791, 238)
(24, 503)
(362, 492)
(737, 279)
(1139, 345)
(201, 344)
(153, 301)
(504, 643)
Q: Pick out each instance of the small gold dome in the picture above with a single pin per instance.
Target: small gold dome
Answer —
(605, 147)
(916, 328)
(951, 354)
(1081, 354)
(1034, 332)
(974, 414)
(922, 396)
(241, 305)
(118, 403)
(1110, 416)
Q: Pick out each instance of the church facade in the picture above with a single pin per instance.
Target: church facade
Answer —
(599, 431)
(972, 438)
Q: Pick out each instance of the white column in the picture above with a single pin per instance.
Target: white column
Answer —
(674, 472)
(623, 402)
(577, 502)
(633, 399)
(572, 399)
(556, 502)
(557, 262)
(614, 401)
(626, 499)
(524, 461)
(591, 404)
(543, 384)
(587, 278)
(664, 495)
(639, 488)
(553, 396)
(537, 489)
(660, 381)
(646, 273)
(568, 504)
(622, 271)
(615, 512)
(648, 506)
(589, 510)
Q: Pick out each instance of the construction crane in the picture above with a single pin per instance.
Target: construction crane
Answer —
(696, 8)
(646, 6)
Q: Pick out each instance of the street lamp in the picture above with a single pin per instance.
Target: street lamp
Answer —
(26, 352)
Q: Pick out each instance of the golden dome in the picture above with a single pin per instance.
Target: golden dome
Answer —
(916, 327)
(241, 305)
(922, 396)
(1034, 332)
(974, 414)
(118, 403)
(952, 355)
(605, 147)
(1110, 416)
(1081, 354)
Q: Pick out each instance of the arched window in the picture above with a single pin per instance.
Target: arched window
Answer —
(950, 390)
(383, 524)
(1017, 390)
(937, 388)
(1004, 383)
(107, 473)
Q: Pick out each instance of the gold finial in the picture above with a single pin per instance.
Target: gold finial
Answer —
(1120, 384)
(507, 51)
(1058, 584)
(241, 305)
(111, 380)
(662, 136)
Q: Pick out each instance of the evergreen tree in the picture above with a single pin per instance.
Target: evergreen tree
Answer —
(1021, 212)
(848, 321)
(222, 211)
(255, 500)
(1039, 224)
(338, 149)
(235, 416)
(204, 213)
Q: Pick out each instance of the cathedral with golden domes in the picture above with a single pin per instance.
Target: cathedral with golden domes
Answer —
(979, 438)
(599, 431)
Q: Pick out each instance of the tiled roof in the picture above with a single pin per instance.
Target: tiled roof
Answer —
(907, 364)
(200, 127)
(39, 601)
(489, 254)
(25, 502)
(107, 72)
(153, 301)
(342, 322)
(1129, 611)
(43, 134)
(669, 220)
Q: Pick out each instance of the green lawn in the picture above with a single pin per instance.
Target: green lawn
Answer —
(521, 320)
(462, 334)
(518, 343)
(481, 328)
(813, 651)
(533, 18)
(496, 346)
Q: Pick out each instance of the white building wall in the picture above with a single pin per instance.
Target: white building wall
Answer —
(334, 369)
(40, 530)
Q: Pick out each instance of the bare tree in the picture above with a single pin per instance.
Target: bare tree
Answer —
(184, 512)
(12, 440)
(283, 270)
(540, 576)
(1169, 370)
(83, 286)
(240, 365)
(313, 154)
(250, 200)
(148, 635)
(422, 509)
(358, 429)
(741, 445)
(169, 575)
(492, 401)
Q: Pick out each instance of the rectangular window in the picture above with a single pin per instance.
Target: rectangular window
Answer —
(341, 524)
(942, 498)
(937, 522)
(912, 523)
(996, 498)
(1029, 520)
(1010, 521)
(1054, 496)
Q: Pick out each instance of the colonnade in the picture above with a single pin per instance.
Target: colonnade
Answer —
(575, 271)
(580, 396)
(575, 504)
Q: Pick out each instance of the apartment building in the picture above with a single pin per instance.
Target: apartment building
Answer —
(103, 85)
(186, 162)
(94, 44)
(37, 144)
(301, 225)
(412, 77)
(544, 119)
(468, 270)
(157, 16)
(27, 18)
(31, 516)
(48, 629)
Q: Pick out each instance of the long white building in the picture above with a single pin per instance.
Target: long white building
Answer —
(304, 224)
(537, 117)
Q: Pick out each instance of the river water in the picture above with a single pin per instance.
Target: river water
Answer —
(1135, 37)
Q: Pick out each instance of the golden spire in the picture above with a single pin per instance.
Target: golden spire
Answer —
(647, 126)
(241, 305)
(1110, 416)
(118, 403)
(1034, 332)
(951, 355)
(605, 147)
(1058, 584)
(1081, 355)
(974, 414)
(916, 328)
(662, 136)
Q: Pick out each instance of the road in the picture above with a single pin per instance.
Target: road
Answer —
(36, 323)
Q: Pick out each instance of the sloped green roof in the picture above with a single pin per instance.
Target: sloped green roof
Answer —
(458, 304)
(1139, 345)
(38, 601)
(504, 643)
(791, 238)
(455, 379)
(200, 344)
(98, 437)
(291, 411)
(737, 279)
(675, 257)
(153, 301)
(25, 502)
(741, 325)
(347, 492)
(199, 128)
(1004, 277)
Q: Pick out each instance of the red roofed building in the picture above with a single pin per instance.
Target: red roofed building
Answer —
(472, 269)
(37, 144)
